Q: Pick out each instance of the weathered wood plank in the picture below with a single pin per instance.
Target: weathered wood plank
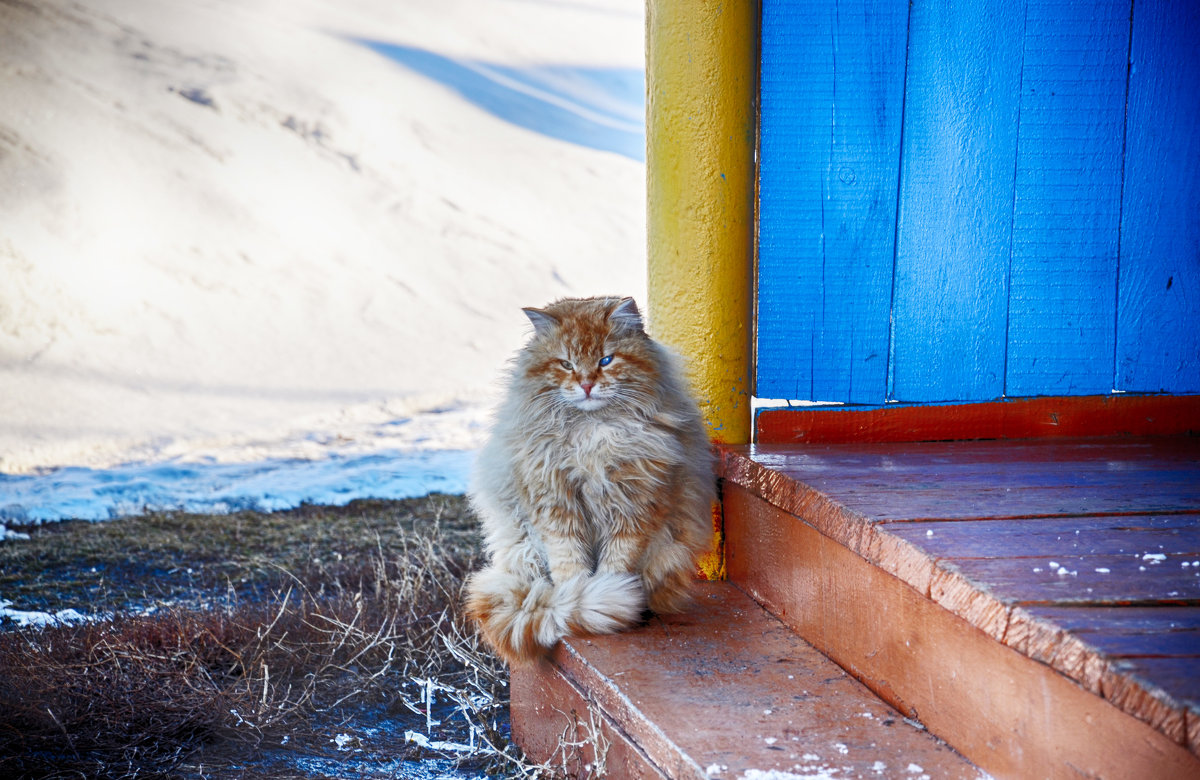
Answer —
(971, 496)
(1092, 579)
(1115, 454)
(1125, 415)
(1176, 677)
(1158, 310)
(933, 664)
(955, 212)
(831, 92)
(1043, 537)
(1082, 641)
(974, 480)
(1166, 644)
(554, 722)
(1148, 620)
(686, 698)
(1067, 198)
(843, 490)
(1154, 695)
(982, 570)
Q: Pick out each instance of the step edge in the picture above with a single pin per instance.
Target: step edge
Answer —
(948, 588)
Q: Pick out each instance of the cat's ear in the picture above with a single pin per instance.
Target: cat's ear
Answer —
(543, 322)
(627, 315)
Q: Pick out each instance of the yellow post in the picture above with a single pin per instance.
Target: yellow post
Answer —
(701, 73)
(701, 76)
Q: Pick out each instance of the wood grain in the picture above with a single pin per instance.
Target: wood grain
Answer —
(1054, 417)
(1158, 310)
(694, 704)
(937, 666)
(1056, 549)
(955, 213)
(1047, 538)
(1067, 198)
(831, 92)
(1041, 238)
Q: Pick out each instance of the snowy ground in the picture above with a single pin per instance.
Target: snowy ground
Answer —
(255, 253)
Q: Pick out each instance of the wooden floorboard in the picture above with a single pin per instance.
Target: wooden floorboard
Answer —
(1041, 537)
(1021, 418)
(1083, 555)
(722, 690)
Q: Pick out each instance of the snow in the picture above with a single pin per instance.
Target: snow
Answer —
(433, 744)
(258, 253)
(24, 618)
(803, 773)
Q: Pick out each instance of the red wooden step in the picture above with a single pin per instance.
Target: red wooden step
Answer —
(1035, 603)
(722, 691)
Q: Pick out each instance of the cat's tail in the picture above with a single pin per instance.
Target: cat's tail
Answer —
(522, 618)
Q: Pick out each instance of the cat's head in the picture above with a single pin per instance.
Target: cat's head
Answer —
(590, 353)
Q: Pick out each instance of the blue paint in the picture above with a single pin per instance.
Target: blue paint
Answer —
(955, 212)
(1158, 299)
(1067, 198)
(1046, 221)
(832, 84)
(600, 108)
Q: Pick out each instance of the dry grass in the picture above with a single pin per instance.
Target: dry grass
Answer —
(337, 625)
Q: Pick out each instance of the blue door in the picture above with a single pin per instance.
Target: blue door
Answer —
(967, 201)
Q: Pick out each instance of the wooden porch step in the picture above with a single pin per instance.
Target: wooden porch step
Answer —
(1034, 603)
(723, 691)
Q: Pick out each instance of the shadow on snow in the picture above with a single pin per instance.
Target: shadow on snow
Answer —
(600, 108)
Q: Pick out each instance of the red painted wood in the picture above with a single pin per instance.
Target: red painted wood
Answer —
(1014, 715)
(1129, 620)
(1144, 453)
(973, 527)
(1167, 644)
(693, 704)
(970, 480)
(1127, 415)
(1093, 579)
(1051, 537)
(1177, 675)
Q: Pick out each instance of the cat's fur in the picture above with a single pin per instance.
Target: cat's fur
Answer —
(596, 486)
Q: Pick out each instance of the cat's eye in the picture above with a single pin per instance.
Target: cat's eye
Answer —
(604, 361)
(566, 364)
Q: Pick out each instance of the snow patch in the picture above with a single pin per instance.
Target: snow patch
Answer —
(24, 618)
(436, 744)
(814, 773)
(286, 227)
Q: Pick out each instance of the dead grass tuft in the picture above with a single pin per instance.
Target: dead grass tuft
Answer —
(250, 687)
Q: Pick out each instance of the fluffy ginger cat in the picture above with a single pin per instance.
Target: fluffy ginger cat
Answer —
(596, 486)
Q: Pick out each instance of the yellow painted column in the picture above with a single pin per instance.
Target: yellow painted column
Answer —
(701, 77)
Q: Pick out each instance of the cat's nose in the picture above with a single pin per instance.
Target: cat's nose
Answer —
(587, 388)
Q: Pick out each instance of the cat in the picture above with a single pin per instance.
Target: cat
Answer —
(596, 485)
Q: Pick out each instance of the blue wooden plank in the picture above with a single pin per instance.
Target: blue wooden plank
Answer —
(831, 95)
(956, 190)
(1158, 297)
(1067, 204)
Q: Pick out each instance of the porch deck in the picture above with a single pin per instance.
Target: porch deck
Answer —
(1067, 573)
(1033, 603)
